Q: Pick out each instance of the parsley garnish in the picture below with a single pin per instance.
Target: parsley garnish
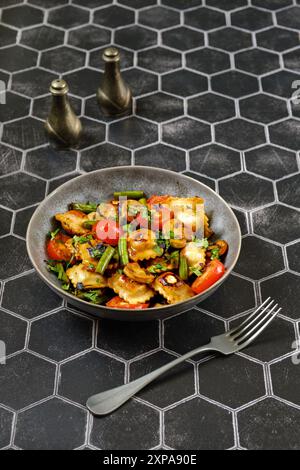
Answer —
(215, 253)
(53, 234)
(203, 242)
(82, 239)
(196, 271)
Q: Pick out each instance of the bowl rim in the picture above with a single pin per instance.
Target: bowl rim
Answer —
(165, 308)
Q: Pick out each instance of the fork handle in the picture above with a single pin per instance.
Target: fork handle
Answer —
(110, 400)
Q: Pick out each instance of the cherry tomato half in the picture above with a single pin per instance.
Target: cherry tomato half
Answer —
(117, 302)
(107, 231)
(57, 248)
(212, 273)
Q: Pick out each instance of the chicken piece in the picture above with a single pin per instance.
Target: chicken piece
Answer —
(129, 290)
(135, 272)
(195, 255)
(79, 274)
(72, 222)
(142, 245)
(84, 252)
(172, 288)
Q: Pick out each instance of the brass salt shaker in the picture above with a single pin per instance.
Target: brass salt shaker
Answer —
(62, 124)
(114, 95)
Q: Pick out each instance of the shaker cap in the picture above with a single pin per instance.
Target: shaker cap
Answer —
(111, 54)
(59, 87)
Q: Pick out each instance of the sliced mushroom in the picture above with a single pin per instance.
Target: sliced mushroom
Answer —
(129, 290)
(172, 288)
(135, 272)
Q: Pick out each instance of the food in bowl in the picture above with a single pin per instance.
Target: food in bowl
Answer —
(134, 252)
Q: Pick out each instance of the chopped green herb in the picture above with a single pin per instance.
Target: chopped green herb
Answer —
(58, 269)
(53, 234)
(97, 251)
(196, 271)
(89, 223)
(215, 253)
(81, 239)
(203, 243)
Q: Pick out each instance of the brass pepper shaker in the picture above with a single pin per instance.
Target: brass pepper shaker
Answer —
(62, 124)
(114, 95)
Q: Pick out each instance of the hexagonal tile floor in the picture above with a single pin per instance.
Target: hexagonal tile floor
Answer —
(216, 97)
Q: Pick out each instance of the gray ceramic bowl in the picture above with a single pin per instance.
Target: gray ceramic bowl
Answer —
(100, 185)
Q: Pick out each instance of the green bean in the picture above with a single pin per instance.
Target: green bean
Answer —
(89, 223)
(183, 268)
(86, 208)
(129, 194)
(123, 252)
(105, 259)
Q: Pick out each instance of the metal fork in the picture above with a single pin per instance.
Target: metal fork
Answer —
(234, 340)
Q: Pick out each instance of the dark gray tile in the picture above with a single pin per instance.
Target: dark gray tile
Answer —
(113, 337)
(208, 60)
(211, 107)
(61, 335)
(29, 305)
(113, 16)
(257, 424)
(92, 3)
(184, 83)
(289, 191)
(257, 61)
(286, 380)
(228, 5)
(232, 381)
(97, 374)
(92, 133)
(10, 159)
(22, 16)
(89, 37)
(159, 107)
(134, 426)
(242, 220)
(14, 257)
(161, 156)
(7, 35)
(25, 133)
(59, 181)
(158, 17)
(184, 430)
(270, 161)
(259, 192)
(234, 296)
(215, 161)
(204, 18)
(104, 156)
(293, 254)
(281, 217)
(251, 19)
(159, 59)
(6, 421)
(68, 17)
(84, 82)
(240, 134)
(235, 84)
(283, 288)
(21, 190)
(181, 4)
(5, 221)
(42, 37)
(140, 81)
(209, 182)
(133, 133)
(195, 327)
(278, 39)
(275, 341)
(289, 17)
(53, 425)
(183, 38)
(186, 133)
(32, 83)
(254, 249)
(62, 59)
(49, 163)
(291, 60)
(263, 108)
(26, 379)
(13, 332)
(272, 4)
(230, 39)
(17, 58)
(286, 133)
(15, 107)
(134, 3)
(22, 220)
(171, 387)
(280, 83)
